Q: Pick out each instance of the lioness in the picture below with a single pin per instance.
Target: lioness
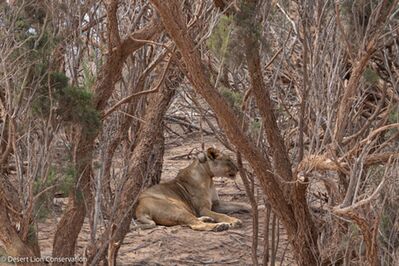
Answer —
(190, 195)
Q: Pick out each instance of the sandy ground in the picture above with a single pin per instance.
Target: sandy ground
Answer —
(179, 245)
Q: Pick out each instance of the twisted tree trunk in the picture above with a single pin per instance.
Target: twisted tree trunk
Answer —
(146, 163)
(9, 237)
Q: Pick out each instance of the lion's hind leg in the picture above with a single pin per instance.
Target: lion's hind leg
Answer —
(152, 211)
(181, 216)
(216, 227)
(206, 219)
(143, 212)
(145, 222)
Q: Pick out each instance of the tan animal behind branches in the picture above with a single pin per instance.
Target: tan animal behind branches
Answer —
(191, 198)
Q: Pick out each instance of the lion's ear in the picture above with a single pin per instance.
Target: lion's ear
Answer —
(212, 153)
(201, 157)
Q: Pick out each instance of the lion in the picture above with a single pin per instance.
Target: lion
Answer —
(191, 198)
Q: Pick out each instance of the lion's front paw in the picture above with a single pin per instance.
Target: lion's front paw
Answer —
(235, 223)
(220, 227)
(206, 219)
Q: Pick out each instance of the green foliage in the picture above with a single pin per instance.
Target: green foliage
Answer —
(246, 20)
(227, 40)
(46, 93)
(58, 81)
(88, 77)
(386, 223)
(62, 181)
(346, 8)
(234, 98)
(219, 39)
(41, 105)
(40, 184)
(255, 125)
(42, 204)
(41, 44)
(21, 25)
(32, 236)
(377, 172)
(394, 116)
(67, 180)
(389, 232)
(38, 43)
(370, 76)
(73, 104)
(353, 228)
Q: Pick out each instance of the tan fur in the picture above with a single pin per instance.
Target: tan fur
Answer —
(189, 198)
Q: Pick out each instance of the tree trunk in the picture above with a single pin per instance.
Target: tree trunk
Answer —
(142, 159)
(156, 159)
(306, 230)
(140, 169)
(13, 245)
(80, 199)
(122, 134)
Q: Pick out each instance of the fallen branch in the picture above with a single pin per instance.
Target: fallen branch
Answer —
(180, 121)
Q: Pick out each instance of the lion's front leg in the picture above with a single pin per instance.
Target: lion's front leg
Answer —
(221, 218)
(230, 207)
(225, 207)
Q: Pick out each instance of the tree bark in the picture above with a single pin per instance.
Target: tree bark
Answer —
(369, 230)
(9, 237)
(15, 245)
(156, 159)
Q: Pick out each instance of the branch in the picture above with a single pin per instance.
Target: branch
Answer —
(178, 120)
(10, 135)
(351, 208)
(369, 120)
(350, 90)
(341, 28)
(381, 158)
(288, 18)
(112, 25)
(166, 46)
(111, 71)
(137, 39)
(377, 131)
(128, 98)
